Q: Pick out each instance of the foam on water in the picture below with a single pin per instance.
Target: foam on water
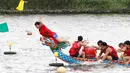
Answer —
(32, 57)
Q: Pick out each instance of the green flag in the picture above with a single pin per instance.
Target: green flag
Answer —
(4, 27)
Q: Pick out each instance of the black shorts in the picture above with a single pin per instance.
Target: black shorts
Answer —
(76, 55)
(114, 58)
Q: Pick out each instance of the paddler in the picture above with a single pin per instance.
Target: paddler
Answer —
(109, 51)
(126, 50)
(46, 32)
(121, 46)
(99, 45)
(76, 46)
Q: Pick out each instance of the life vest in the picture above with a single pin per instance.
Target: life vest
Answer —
(90, 52)
(75, 48)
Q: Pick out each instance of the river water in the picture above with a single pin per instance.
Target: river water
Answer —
(32, 57)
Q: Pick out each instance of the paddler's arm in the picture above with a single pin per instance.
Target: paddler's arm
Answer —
(97, 48)
(100, 53)
(42, 39)
(128, 61)
(106, 54)
(83, 44)
(119, 50)
(99, 57)
(122, 50)
(41, 20)
(41, 23)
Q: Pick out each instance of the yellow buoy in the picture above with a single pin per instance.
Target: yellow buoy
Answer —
(61, 70)
(10, 44)
(20, 7)
(56, 54)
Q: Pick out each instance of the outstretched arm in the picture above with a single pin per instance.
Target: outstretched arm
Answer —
(83, 44)
(106, 54)
(97, 48)
(41, 20)
(42, 39)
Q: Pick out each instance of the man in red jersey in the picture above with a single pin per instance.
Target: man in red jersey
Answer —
(109, 51)
(74, 50)
(46, 32)
(126, 50)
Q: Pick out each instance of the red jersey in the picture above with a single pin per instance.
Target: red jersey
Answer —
(127, 52)
(113, 53)
(75, 48)
(44, 31)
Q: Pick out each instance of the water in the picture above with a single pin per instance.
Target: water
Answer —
(32, 57)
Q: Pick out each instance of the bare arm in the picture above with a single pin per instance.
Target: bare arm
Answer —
(83, 44)
(122, 50)
(97, 48)
(106, 54)
(99, 57)
(129, 60)
(118, 50)
(42, 39)
(100, 53)
(41, 20)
